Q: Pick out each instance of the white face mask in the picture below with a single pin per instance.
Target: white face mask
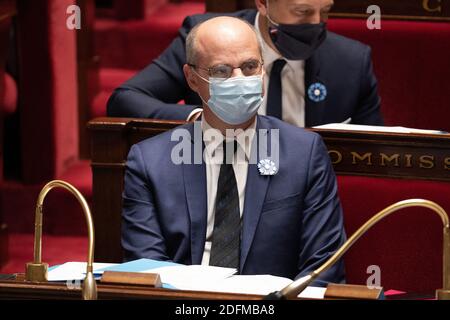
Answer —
(235, 100)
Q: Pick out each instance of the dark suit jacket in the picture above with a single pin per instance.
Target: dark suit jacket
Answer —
(292, 221)
(344, 66)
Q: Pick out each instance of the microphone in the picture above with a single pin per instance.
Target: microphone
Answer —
(36, 271)
(295, 288)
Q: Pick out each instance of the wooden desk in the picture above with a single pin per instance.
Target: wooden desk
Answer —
(403, 156)
(58, 291)
(393, 155)
(20, 289)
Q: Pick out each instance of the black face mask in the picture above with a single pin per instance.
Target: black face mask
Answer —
(297, 41)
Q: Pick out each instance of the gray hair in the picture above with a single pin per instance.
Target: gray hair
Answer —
(191, 48)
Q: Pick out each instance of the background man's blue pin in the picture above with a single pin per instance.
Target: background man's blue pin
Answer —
(317, 92)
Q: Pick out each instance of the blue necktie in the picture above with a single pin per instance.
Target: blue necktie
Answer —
(274, 97)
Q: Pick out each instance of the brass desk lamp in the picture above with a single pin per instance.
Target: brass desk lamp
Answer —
(36, 271)
(294, 289)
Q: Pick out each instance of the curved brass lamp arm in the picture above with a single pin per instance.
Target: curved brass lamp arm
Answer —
(36, 270)
(295, 288)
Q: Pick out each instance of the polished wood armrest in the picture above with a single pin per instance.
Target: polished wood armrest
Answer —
(20, 289)
(61, 291)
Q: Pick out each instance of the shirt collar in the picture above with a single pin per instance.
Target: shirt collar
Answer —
(211, 145)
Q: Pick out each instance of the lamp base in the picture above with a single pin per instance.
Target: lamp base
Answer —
(442, 294)
(36, 272)
(89, 287)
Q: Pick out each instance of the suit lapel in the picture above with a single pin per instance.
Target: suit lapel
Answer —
(313, 110)
(194, 176)
(255, 193)
(250, 16)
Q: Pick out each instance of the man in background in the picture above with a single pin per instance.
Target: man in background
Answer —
(313, 76)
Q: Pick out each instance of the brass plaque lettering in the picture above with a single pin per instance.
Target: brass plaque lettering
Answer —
(408, 160)
(337, 158)
(356, 156)
(430, 8)
(426, 162)
(385, 158)
(447, 163)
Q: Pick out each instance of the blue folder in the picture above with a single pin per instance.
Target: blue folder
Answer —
(142, 265)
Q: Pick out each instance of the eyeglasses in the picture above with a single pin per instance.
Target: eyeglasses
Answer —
(225, 71)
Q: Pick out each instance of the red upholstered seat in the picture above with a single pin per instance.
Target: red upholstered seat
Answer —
(411, 63)
(112, 78)
(62, 212)
(8, 105)
(48, 117)
(125, 9)
(49, 103)
(143, 39)
(133, 44)
(407, 246)
(410, 58)
(412, 66)
(98, 105)
(9, 99)
(109, 79)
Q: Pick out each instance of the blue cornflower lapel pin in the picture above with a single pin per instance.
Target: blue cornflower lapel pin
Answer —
(317, 92)
(267, 167)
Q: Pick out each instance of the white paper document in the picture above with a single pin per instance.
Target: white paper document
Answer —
(74, 271)
(192, 275)
(216, 279)
(357, 127)
(251, 284)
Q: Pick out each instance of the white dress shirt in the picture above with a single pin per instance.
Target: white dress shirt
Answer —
(213, 157)
(293, 83)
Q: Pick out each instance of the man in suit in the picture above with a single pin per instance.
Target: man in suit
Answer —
(269, 207)
(313, 77)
